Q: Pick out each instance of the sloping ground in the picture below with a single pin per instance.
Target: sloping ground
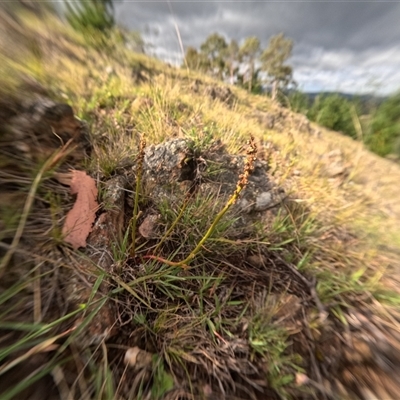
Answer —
(293, 295)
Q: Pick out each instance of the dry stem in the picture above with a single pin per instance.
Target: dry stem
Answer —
(140, 160)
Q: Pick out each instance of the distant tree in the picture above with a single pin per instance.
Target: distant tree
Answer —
(214, 48)
(196, 61)
(334, 112)
(384, 135)
(191, 58)
(249, 51)
(232, 60)
(273, 59)
(90, 16)
(256, 83)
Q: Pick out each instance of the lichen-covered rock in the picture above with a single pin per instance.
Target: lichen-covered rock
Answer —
(166, 165)
(166, 162)
(171, 164)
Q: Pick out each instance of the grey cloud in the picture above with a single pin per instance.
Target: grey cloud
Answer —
(366, 71)
(331, 24)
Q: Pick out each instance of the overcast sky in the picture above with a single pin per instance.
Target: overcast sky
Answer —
(348, 46)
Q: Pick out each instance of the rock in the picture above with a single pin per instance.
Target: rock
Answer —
(335, 165)
(171, 169)
(41, 126)
(301, 379)
(137, 358)
(148, 227)
(257, 260)
(303, 124)
(221, 93)
(110, 224)
(337, 153)
(267, 120)
(243, 204)
(110, 70)
(166, 162)
(315, 132)
(195, 86)
(263, 200)
(335, 169)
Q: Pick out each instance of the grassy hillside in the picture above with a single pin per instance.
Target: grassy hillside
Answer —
(297, 302)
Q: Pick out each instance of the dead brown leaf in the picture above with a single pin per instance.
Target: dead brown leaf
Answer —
(79, 220)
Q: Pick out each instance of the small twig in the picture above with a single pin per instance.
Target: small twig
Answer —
(45, 346)
(311, 287)
(61, 383)
(37, 297)
(323, 314)
(295, 271)
(165, 261)
(311, 350)
(178, 34)
(220, 338)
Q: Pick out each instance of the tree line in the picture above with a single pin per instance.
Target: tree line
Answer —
(245, 64)
(375, 123)
(249, 66)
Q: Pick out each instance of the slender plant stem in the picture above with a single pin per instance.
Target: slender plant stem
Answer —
(171, 228)
(135, 214)
(140, 161)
